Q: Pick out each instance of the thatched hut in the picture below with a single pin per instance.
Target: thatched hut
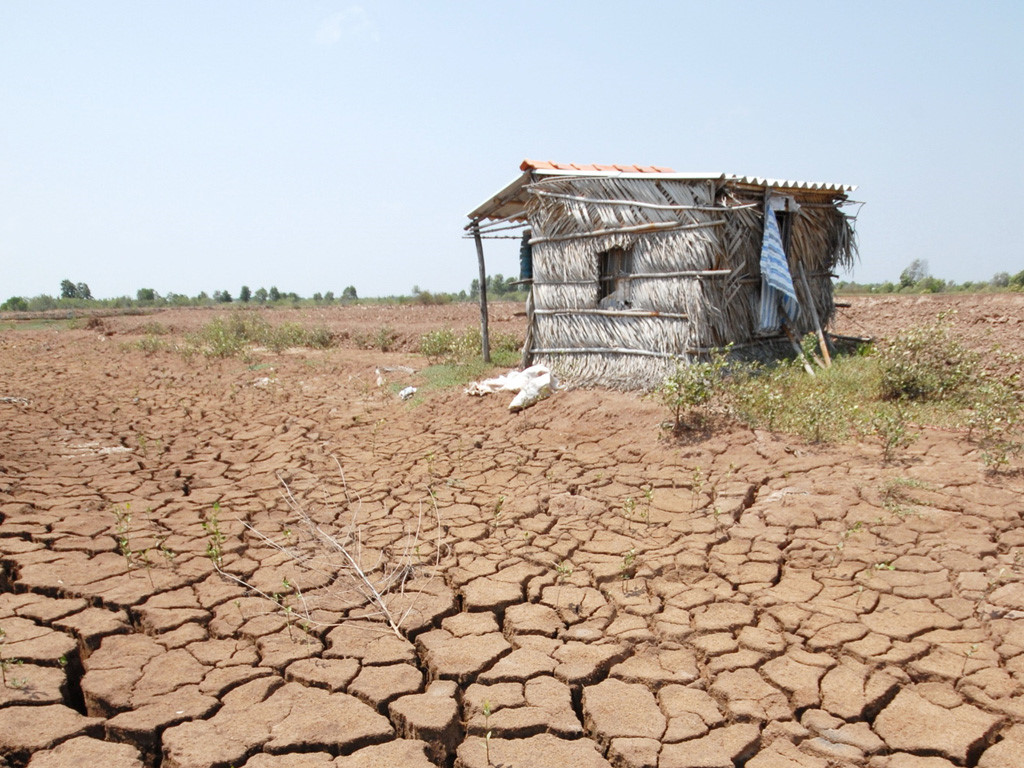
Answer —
(632, 268)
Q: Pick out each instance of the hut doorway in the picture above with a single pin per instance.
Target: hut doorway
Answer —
(615, 268)
(785, 221)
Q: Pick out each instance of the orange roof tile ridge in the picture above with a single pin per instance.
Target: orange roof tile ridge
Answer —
(542, 165)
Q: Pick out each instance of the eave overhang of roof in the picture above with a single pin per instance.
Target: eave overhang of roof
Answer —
(509, 203)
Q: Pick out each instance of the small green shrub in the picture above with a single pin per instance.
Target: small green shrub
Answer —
(216, 537)
(384, 339)
(320, 338)
(996, 421)
(890, 426)
(150, 345)
(443, 345)
(285, 336)
(154, 328)
(687, 391)
(14, 304)
(925, 363)
(438, 345)
(218, 338)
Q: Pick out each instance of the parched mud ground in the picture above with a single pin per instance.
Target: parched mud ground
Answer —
(574, 589)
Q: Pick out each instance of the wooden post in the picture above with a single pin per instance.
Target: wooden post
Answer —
(796, 348)
(528, 344)
(814, 316)
(485, 341)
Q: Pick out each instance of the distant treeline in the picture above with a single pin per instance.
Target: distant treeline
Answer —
(917, 279)
(79, 296)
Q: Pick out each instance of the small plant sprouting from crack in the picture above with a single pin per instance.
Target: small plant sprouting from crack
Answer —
(215, 542)
(286, 608)
(134, 558)
(563, 571)
(896, 497)
(627, 571)
(696, 487)
(6, 665)
(890, 426)
(143, 558)
(497, 512)
(854, 529)
(628, 509)
(648, 500)
(122, 531)
(487, 729)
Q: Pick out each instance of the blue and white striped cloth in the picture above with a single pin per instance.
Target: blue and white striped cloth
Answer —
(776, 282)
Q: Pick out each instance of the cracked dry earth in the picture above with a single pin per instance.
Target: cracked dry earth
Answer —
(586, 593)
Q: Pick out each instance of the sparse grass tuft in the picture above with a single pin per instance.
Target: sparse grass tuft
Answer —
(444, 345)
(236, 334)
(384, 339)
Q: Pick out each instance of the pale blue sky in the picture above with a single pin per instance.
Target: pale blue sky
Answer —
(190, 146)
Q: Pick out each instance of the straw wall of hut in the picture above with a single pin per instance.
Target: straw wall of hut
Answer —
(693, 251)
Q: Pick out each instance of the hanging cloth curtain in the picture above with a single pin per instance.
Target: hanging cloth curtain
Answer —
(777, 289)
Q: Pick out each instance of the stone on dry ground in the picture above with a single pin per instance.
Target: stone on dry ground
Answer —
(607, 596)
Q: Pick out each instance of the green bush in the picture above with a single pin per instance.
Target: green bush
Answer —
(154, 328)
(151, 344)
(320, 338)
(384, 338)
(687, 391)
(443, 345)
(925, 363)
(438, 345)
(997, 418)
(285, 336)
(890, 425)
(218, 338)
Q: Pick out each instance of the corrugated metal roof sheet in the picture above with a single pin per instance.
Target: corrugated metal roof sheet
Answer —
(821, 186)
(509, 202)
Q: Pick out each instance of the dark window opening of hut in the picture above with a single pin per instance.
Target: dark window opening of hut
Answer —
(785, 220)
(614, 269)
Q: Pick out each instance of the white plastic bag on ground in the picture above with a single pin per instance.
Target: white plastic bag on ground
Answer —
(533, 384)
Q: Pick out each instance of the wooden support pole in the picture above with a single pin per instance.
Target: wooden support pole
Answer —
(485, 341)
(796, 348)
(528, 344)
(814, 315)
